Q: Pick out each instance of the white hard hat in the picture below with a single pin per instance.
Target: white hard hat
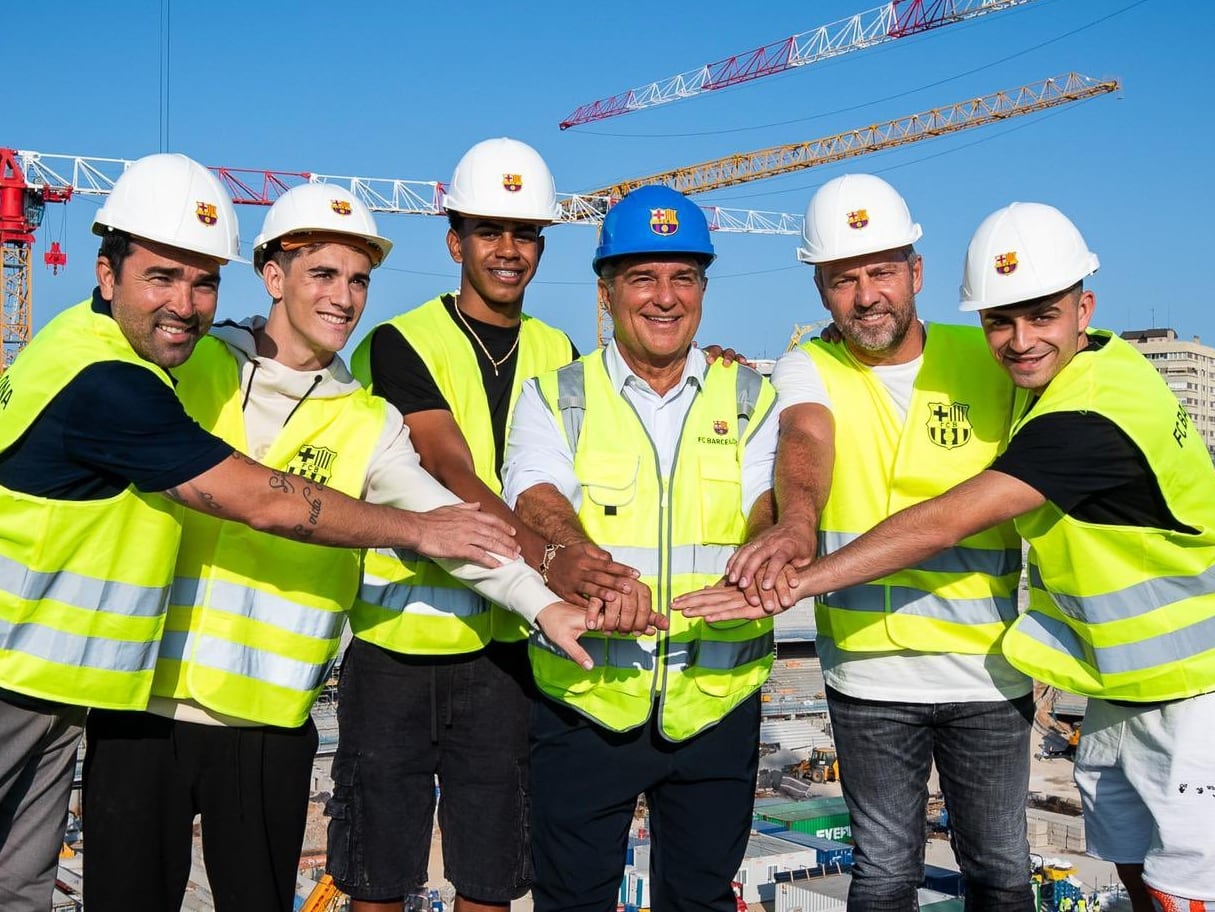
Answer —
(854, 215)
(503, 178)
(323, 210)
(173, 200)
(1022, 252)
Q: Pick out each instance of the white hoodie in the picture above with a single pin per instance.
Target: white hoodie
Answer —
(270, 392)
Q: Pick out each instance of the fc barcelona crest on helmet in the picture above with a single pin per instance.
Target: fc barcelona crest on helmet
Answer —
(1006, 263)
(341, 207)
(314, 463)
(512, 182)
(206, 213)
(948, 424)
(664, 221)
(721, 427)
(858, 219)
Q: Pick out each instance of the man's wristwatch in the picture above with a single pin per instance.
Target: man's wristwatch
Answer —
(550, 551)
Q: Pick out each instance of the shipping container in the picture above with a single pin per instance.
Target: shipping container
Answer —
(641, 858)
(768, 827)
(830, 852)
(635, 889)
(825, 817)
(944, 880)
(798, 898)
(768, 858)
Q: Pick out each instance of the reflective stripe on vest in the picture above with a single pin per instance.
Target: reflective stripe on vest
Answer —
(704, 559)
(719, 655)
(678, 531)
(1129, 602)
(1123, 612)
(923, 604)
(957, 559)
(245, 661)
(963, 599)
(571, 400)
(1138, 658)
(423, 600)
(255, 620)
(83, 584)
(70, 649)
(917, 602)
(453, 623)
(85, 592)
(227, 597)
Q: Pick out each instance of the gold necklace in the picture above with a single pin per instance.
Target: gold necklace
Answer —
(472, 332)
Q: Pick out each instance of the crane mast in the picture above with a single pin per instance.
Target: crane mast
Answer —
(22, 207)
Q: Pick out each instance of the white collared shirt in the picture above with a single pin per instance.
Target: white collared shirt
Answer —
(537, 451)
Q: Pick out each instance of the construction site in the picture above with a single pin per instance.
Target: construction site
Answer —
(988, 86)
(798, 798)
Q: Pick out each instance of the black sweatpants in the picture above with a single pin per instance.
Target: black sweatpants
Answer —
(146, 777)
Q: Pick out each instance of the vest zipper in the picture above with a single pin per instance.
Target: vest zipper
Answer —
(665, 522)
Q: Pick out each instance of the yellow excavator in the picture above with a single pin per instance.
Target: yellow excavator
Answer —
(821, 766)
(323, 898)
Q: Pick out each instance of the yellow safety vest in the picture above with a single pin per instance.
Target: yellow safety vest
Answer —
(254, 619)
(83, 583)
(409, 604)
(679, 531)
(963, 599)
(1123, 612)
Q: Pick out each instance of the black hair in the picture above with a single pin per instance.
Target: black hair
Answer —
(274, 252)
(115, 247)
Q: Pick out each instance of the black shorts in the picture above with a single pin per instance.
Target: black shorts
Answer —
(405, 722)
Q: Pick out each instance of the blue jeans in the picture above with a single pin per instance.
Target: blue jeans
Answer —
(886, 751)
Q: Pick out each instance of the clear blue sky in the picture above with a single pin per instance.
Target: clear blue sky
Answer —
(385, 89)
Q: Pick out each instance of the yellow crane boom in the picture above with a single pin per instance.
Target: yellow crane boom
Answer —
(962, 115)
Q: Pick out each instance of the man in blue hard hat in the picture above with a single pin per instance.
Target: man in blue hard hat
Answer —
(666, 463)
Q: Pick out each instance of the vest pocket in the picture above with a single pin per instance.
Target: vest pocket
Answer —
(609, 481)
(720, 500)
(718, 682)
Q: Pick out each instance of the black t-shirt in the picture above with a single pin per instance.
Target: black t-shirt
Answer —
(1088, 467)
(115, 424)
(399, 374)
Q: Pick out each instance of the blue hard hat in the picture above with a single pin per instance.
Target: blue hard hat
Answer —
(654, 219)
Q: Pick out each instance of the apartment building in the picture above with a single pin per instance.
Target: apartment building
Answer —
(1188, 367)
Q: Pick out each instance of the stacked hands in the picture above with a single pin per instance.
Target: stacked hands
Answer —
(762, 577)
(604, 595)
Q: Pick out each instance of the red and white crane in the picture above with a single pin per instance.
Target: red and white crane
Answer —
(889, 22)
(30, 180)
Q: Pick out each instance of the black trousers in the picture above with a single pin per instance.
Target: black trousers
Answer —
(585, 783)
(145, 779)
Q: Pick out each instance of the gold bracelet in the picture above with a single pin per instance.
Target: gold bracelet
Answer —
(550, 551)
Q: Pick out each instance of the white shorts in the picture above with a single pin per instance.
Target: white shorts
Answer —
(1147, 785)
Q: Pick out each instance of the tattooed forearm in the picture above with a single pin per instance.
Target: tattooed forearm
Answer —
(301, 533)
(314, 504)
(281, 481)
(206, 497)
